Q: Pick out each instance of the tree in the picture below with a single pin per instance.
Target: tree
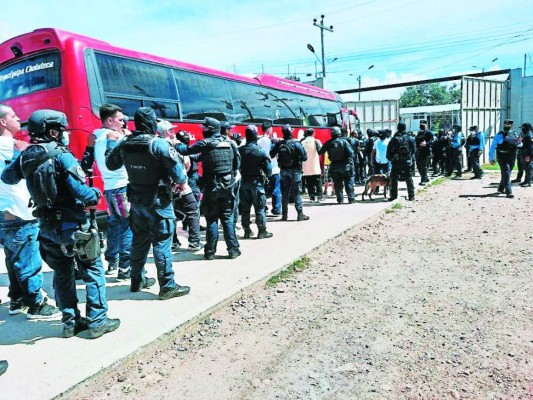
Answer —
(432, 94)
(293, 78)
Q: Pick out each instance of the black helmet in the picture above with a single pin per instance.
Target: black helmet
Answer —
(287, 131)
(145, 120)
(210, 126)
(41, 121)
(251, 133)
(335, 132)
(401, 127)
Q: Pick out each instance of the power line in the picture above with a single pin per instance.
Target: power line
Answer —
(424, 46)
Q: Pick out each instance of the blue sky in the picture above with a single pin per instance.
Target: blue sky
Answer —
(403, 39)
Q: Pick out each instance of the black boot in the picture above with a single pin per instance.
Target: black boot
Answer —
(263, 234)
(247, 233)
(302, 217)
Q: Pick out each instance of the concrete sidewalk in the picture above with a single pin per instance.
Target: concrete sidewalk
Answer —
(43, 365)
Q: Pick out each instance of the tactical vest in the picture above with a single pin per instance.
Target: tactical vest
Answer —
(143, 168)
(474, 141)
(336, 151)
(508, 144)
(251, 160)
(219, 158)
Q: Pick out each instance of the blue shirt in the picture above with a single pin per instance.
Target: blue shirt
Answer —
(456, 140)
(481, 144)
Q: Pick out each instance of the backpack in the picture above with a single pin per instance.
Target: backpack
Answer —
(336, 151)
(404, 152)
(39, 170)
(286, 154)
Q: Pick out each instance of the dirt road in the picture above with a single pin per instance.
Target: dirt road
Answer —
(431, 299)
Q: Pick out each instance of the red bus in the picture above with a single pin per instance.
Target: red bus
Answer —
(50, 68)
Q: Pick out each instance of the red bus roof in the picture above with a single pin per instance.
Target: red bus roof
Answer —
(51, 38)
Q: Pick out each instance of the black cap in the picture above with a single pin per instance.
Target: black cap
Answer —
(508, 122)
(473, 128)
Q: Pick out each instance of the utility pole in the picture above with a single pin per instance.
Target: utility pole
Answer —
(322, 27)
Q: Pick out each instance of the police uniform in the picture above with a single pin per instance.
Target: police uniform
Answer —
(527, 152)
(61, 220)
(475, 144)
(220, 163)
(290, 173)
(503, 150)
(255, 170)
(340, 154)
(423, 153)
(153, 166)
(400, 151)
(456, 144)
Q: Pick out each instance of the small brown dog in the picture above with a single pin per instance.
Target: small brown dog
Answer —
(373, 183)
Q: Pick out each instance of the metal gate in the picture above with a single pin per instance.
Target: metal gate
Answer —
(483, 103)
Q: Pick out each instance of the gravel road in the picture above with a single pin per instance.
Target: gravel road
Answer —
(431, 299)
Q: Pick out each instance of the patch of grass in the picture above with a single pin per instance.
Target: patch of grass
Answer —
(496, 167)
(297, 266)
(439, 181)
(393, 208)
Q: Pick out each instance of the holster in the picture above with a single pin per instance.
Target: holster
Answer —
(165, 194)
(87, 244)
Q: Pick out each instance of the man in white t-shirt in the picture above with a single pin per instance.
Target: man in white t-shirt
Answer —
(379, 154)
(273, 186)
(19, 230)
(119, 235)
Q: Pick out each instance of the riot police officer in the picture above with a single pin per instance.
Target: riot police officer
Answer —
(503, 149)
(255, 170)
(341, 154)
(221, 162)
(57, 186)
(456, 143)
(400, 151)
(153, 169)
(423, 141)
(475, 144)
(290, 154)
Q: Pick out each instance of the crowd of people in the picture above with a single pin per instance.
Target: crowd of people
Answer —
(151, 179)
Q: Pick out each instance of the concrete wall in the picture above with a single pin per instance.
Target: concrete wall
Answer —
(527, 100)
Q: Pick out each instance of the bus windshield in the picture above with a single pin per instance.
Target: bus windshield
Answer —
(30, 75)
